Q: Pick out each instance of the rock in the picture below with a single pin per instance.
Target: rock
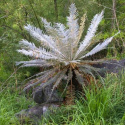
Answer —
(111, 66)
(35, 113)
(41, 95)
(122, 62)
(38, 95)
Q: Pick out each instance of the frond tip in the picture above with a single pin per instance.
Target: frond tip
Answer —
(100, 46)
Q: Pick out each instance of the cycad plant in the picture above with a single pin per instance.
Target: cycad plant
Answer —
(61, 53)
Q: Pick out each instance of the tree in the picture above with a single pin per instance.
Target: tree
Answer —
(56, 9)
(61, 53)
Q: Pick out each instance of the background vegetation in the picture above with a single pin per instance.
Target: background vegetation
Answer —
(14, 14)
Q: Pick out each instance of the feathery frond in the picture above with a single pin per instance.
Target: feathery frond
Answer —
(81, 28)
(90, 33)
(72, 23)
(59, 79)
(44, 39)
(41, 78)
(99, 47)
(79, 77)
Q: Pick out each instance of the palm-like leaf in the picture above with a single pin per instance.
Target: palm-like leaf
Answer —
(60, 49)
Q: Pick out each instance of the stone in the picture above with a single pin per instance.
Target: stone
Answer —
(41, 95)
(111, 66)
(38, 95)
(34, 114)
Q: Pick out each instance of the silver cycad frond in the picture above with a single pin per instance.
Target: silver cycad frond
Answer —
(61, 49)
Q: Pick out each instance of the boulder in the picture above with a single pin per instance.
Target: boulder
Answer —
(34, 114)
(111, 66)
(41, 95)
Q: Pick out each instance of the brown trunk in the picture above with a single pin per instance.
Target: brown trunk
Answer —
(56, 9)
(114, 23)
(113, 13)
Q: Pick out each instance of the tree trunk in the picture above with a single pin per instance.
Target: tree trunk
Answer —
(114, 23)
(113, 13)
(56, 9)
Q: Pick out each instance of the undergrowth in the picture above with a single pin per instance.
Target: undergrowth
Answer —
(10, 104)
(101, 105)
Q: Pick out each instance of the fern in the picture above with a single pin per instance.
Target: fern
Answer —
(61, 50)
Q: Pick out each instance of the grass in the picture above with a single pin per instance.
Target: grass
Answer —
(11, 103)
(103, 105)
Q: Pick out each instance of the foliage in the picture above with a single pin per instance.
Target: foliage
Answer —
(12, 20)
(114, 20)
(103, 105)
